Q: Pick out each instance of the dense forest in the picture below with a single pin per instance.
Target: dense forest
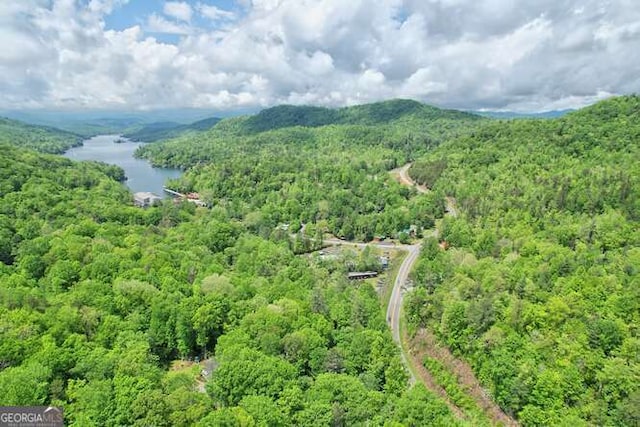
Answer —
(41, 138)
(101, 301)
(540, 288)
(333, 177)
(284, 116)
(113, 311)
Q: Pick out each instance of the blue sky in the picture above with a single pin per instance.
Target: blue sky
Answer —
(137, 12)
(133, 13)
(250, 54)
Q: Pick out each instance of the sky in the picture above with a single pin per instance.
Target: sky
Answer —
(525, 56)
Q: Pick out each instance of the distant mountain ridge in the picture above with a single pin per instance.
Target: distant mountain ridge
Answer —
(91, 123)
(166, 130)
(367, 114)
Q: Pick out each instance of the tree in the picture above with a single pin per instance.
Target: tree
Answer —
(25, 385)
(395, 377)
(264, 411)
(90, 402)
(349, 400)
(209, 320)
(305, 349)
(228, 417)
(249, 372)
(418, 407)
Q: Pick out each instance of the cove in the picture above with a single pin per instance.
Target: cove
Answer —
(141, 176)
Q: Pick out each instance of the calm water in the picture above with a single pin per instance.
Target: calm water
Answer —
(141, 176)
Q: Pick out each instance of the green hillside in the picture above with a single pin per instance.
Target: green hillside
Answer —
(411, 129)
(41, 138)
(152, 131)
(540, 287)
(394, 110)
(369, 114)
(109, 310)
(104, 306)
(290, 115)
(336, 173)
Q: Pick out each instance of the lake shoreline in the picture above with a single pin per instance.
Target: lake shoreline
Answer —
(140, 175)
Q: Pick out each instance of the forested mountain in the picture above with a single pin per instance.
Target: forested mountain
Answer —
(150, 132)
(334, 177)
(42, 138)
(290, 115)
(204, 124)
(166, 130)
(105, 306)
(369, 114)
(540, 288)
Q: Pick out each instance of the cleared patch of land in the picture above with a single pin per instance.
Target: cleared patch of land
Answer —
(424, 344)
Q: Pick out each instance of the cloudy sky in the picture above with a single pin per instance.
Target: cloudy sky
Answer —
(528, 55)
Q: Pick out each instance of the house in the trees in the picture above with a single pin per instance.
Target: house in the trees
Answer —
(361, 275)
(144, 199)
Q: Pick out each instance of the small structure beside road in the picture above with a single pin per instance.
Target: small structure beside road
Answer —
(384, 262)
(361, 275)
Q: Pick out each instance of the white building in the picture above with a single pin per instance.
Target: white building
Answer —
(144, 199)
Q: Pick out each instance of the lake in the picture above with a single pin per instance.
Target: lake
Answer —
(140, 175)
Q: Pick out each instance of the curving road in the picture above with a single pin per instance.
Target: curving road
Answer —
(402, 174)
(491, 409)
(394, 309)
(405, 179)
(395, 302)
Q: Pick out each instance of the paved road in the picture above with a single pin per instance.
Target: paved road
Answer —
(395, 303)
(380, 245)
(394, 308)
(403, 174)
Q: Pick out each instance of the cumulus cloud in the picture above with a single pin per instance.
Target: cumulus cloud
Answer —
(159, 24)
(215, 13)
(179, 10)
(480, 54)
(105, 6)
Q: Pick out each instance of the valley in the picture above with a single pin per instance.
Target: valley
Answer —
(520, 240)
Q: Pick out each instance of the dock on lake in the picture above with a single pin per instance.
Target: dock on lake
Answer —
(173, 193)
(189, 197)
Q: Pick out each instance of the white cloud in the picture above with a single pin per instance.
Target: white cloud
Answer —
(262, 5)
(215, 13)
(423, 82)
(316, 64)
(453, 53)
(105, 6)
(179, 10)
(371, 78)
(158, 24)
